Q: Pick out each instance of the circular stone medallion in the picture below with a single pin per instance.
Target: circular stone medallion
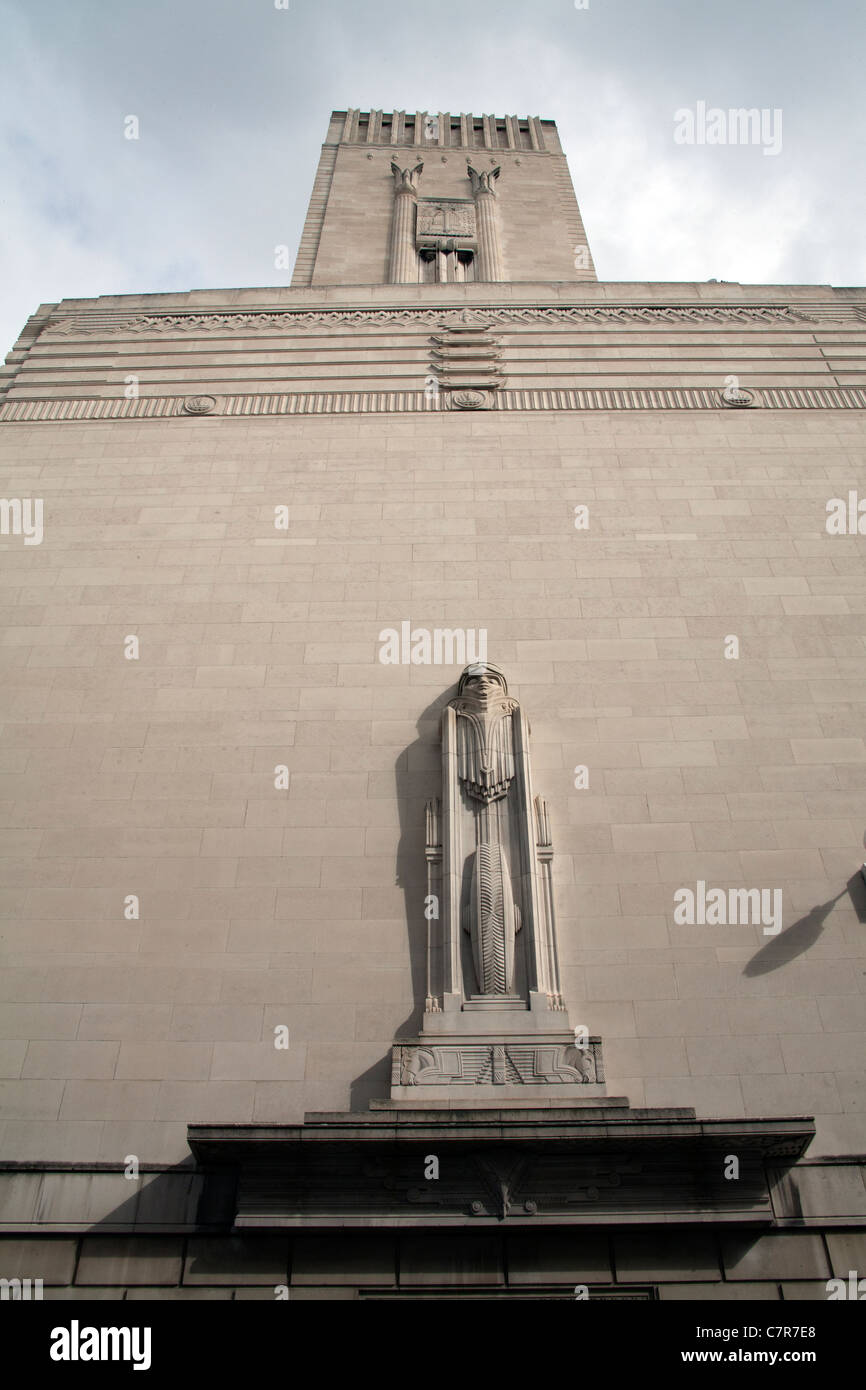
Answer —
(469, 400)
(737, 397)
(199, 405)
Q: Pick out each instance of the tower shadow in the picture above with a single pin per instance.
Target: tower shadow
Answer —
(417, 778)
(802, 934)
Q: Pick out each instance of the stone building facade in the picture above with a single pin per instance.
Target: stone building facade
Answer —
(217, 781)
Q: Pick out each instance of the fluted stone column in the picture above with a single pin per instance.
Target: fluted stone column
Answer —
(403, 266)
(489, 250)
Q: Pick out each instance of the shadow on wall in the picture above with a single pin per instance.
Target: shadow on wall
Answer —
(418, 778)
(158, 1198)
(803, 934)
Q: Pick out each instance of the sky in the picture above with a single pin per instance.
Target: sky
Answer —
(232, 99)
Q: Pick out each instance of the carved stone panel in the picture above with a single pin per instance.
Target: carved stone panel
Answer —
(497, 1063)
(445, 217)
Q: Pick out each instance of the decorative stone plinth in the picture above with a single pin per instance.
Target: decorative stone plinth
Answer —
(514, 1069)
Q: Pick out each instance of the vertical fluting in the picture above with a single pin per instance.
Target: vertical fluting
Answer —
(487, 227)
(403, 264)
(489, 250)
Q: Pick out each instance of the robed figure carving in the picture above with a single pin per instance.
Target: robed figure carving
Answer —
(485, 770)
(495, 1027)
(495, 858)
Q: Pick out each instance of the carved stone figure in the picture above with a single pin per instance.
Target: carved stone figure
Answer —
(482, 179)
(406, 178)
(494, 1020)
(485, 769)
(485, 738)
(495, 856)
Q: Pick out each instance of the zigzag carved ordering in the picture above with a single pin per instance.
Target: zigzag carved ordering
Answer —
(300, 318)
(646, 314)
(472, 1063)
(492, 921)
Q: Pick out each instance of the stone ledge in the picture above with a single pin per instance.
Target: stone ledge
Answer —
(533, 1167)
(73, 410)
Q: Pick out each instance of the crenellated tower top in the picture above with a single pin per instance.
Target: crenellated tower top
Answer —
(489, 199)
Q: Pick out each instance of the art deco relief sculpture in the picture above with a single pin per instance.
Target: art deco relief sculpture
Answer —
(485, 770)
(493, 865)
(475, 236)
(446, 240)
(483, 179)
(406, 178)
(494, 1014)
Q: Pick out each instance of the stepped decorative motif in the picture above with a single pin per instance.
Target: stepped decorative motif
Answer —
(466, 356)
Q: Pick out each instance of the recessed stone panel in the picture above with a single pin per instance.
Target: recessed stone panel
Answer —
(115, 1260)
(778, 1255)
(451, 1260)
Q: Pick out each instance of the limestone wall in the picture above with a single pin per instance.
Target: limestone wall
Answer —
(259, 648)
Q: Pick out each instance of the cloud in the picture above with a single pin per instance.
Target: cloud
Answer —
(233, 101)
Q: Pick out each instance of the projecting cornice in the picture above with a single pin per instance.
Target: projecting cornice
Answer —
(525, 1167)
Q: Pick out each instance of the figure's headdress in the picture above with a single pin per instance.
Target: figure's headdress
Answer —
(481, 668)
